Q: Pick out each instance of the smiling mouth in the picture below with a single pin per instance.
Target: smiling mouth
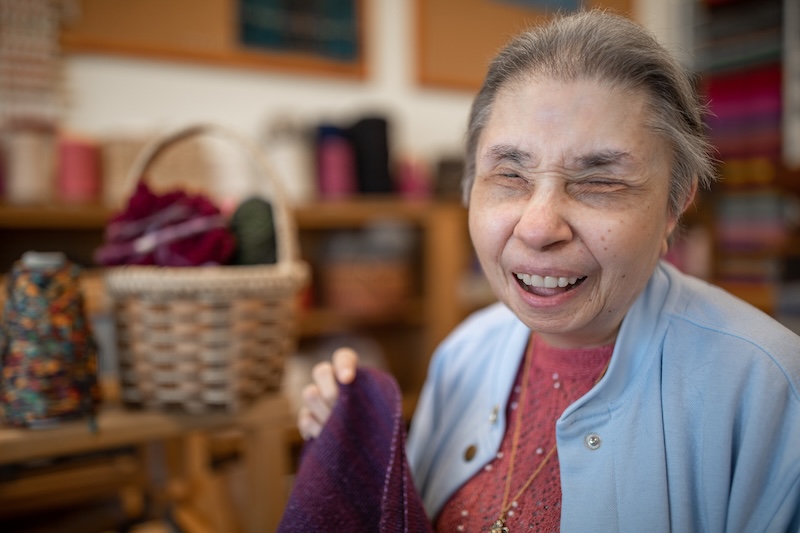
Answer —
(535, 284)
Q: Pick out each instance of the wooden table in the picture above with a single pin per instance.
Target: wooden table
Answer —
(263, 427)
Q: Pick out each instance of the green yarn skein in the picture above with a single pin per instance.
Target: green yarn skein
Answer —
(253, 225)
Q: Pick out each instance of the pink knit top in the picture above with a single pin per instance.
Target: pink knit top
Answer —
(558, 378)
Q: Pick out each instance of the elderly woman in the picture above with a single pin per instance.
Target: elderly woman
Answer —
(606, 390)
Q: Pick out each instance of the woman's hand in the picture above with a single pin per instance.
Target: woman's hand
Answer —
(320, 396)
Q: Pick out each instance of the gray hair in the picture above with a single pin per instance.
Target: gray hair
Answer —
(602, 46)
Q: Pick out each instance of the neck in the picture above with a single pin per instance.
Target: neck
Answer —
(571, 341)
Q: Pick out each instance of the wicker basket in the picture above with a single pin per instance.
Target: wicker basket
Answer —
(207, 338)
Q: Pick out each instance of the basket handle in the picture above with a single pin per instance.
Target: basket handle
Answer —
(285, 230)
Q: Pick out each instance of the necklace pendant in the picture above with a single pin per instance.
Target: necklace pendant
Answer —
(499, 526)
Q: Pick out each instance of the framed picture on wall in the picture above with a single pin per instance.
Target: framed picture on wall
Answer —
(320, 37)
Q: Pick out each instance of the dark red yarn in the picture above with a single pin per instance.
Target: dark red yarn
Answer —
(209, 241)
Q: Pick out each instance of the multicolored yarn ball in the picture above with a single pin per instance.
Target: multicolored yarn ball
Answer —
(48, 357)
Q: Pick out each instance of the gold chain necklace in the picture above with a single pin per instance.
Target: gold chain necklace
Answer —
(499, 525)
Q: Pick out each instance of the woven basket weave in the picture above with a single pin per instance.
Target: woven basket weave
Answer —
(207, 338)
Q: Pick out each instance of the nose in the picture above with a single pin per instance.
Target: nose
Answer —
(544, 221)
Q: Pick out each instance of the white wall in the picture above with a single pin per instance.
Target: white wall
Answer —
(110, 93)
(672, 22)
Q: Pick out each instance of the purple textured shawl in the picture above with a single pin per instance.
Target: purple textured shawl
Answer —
(355, 476)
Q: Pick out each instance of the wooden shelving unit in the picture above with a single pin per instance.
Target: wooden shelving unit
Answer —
(428, 315)
(743, 51)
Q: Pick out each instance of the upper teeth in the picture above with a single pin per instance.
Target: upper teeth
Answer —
(548, 282)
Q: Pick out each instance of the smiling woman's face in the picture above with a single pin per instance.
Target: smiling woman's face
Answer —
(569, 208)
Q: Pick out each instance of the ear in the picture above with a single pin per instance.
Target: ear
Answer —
(690, 197)
(675, 217)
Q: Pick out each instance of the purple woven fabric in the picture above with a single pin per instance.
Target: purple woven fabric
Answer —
(355, 476)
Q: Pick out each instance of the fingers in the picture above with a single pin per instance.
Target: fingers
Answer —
(309, 426)
(345, 363)
(321, 395)
(322, 376)
(314, 412)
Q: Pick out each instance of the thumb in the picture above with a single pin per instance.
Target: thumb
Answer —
(345, 363)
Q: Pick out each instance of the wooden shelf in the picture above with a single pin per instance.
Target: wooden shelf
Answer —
(321, 321)
(318, 215)
(355, 213)
(62, 217)
(264, 427)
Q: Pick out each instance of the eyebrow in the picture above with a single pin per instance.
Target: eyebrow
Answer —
(602, 159)
(505, 152)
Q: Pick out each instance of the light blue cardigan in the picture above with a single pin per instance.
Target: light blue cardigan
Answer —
(698, 416)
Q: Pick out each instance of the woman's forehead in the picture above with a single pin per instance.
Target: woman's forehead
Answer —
(573, 116)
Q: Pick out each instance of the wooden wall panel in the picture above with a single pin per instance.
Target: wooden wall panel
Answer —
(457, 38)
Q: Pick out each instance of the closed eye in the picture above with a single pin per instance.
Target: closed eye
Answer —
(508, 180)
(506, 172)
(599, 183)
(597, 188)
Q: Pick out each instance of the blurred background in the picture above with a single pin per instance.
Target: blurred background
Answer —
(359, 107)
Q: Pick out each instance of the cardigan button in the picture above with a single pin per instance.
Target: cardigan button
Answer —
(469, 453)
(592, 441)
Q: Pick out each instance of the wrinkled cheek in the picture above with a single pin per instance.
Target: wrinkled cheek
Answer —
(489, 237)
(480, 242)
(490, 232)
